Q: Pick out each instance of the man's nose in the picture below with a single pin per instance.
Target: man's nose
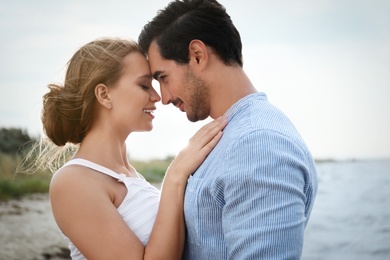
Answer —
(166, 96)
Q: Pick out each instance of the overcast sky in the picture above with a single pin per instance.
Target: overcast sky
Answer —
(325, 63)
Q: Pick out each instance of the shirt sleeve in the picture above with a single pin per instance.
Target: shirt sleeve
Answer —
(262, 195)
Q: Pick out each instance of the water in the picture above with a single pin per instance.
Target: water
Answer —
(351, 215)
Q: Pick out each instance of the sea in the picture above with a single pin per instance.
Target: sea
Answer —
(350, 219)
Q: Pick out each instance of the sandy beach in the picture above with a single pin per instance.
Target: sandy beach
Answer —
(28, 230)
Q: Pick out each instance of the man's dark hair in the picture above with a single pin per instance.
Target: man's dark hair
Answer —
(185, 20)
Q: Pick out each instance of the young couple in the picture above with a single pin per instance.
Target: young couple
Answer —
(243, 194)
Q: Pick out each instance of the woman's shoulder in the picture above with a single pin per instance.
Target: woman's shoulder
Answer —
(71, 173)
(72, 180)
(84, 184)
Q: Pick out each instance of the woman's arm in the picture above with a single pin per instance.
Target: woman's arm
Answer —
(167, 238)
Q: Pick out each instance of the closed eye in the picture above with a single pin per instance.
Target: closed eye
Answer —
(145, 87)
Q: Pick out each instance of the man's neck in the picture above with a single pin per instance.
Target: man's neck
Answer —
(228, 86)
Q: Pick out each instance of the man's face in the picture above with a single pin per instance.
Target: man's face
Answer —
(179, 85)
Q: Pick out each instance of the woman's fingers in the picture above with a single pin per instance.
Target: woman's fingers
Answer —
(209, 146)
(198, 148)
(207, 135)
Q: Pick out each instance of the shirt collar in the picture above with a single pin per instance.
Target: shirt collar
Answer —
(243, 102)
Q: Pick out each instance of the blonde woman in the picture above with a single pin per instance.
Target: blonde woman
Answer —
(103, 206)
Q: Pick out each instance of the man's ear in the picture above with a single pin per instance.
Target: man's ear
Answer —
(102, 95)
(198, 53)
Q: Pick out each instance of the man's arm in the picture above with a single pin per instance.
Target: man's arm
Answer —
(263, 189)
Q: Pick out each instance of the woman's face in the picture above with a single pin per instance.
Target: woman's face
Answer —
(132, 97)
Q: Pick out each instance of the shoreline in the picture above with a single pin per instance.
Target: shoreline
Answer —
(29, 231)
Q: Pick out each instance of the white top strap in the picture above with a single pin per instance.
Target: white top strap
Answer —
(95, 167)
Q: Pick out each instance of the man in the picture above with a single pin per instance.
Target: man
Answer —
(252, 196)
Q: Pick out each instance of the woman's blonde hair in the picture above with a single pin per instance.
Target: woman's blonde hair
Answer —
(68, 109)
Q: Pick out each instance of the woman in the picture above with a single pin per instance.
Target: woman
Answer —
(100, 202)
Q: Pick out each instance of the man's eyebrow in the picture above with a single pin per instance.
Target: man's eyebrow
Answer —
(157, 74)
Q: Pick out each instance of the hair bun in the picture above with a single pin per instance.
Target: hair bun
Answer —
(60, 122)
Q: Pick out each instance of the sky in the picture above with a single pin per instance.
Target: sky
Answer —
(324, 63)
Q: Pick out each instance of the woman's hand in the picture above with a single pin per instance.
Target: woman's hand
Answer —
(199, 146)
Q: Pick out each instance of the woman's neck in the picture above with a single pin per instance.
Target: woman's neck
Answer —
(105, 150)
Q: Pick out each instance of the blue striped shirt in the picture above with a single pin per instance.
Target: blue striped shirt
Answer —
(252, 196)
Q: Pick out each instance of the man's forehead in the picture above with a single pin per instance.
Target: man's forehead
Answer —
(154, 50)
(154, 57)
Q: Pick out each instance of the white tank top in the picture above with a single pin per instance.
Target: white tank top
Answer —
(138, 209)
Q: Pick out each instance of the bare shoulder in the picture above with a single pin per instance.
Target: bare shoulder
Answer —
(69, 177)
(76, 183)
